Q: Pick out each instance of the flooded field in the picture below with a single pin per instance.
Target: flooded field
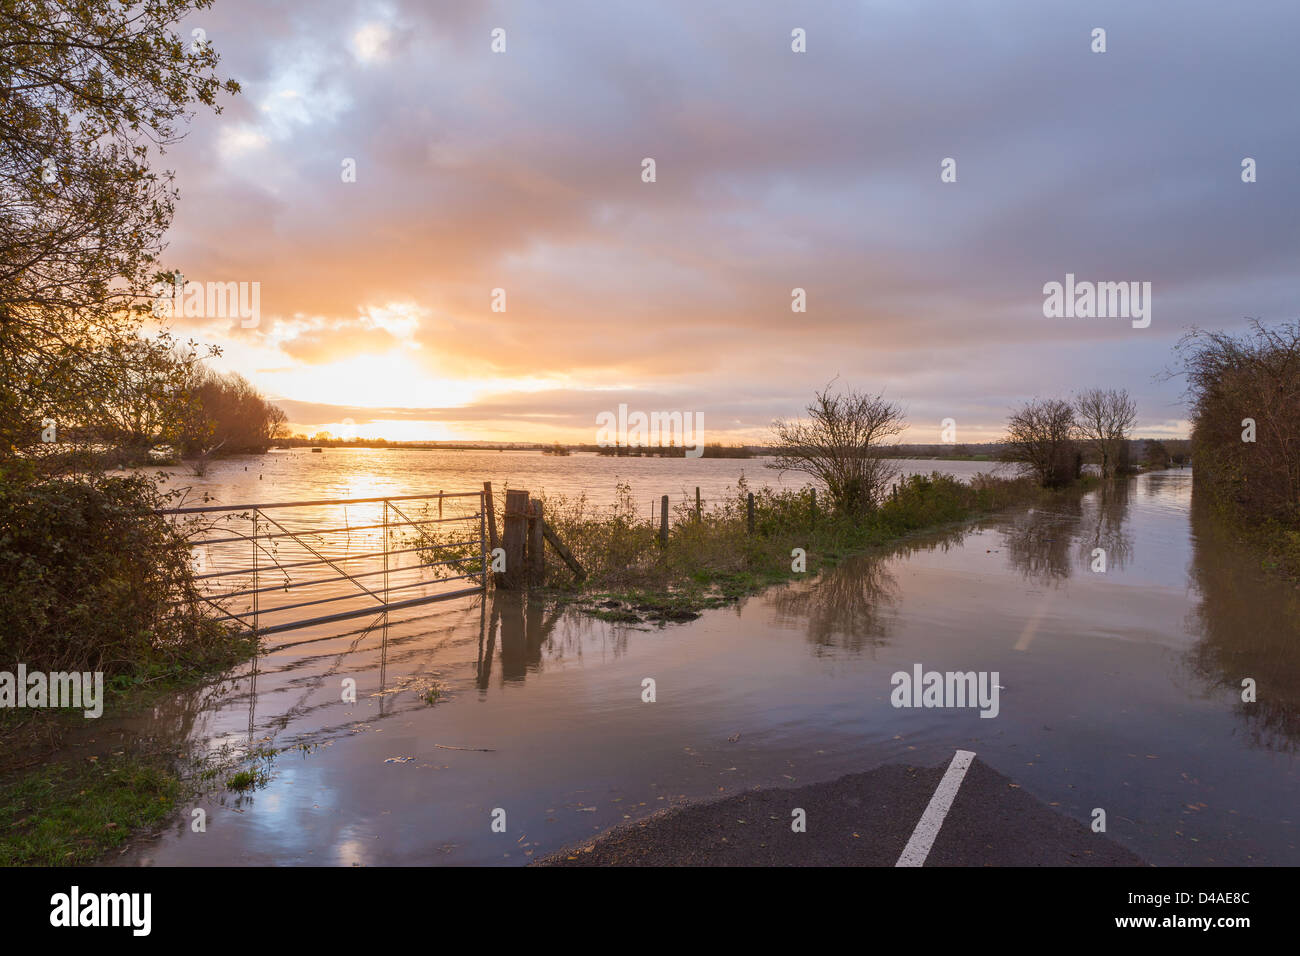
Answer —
(326, 542)
(298, 474)
(1120, 690)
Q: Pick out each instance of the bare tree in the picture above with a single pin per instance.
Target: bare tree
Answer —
(842, 445)
(1041, 438)
(1104, 418)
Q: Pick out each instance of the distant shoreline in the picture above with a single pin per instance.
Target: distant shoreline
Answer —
(989, 452)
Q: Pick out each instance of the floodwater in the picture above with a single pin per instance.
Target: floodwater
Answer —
(1121, 690)
(347, 541)
(299, 474)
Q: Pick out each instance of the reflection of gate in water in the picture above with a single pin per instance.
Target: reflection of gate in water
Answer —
(356, 550)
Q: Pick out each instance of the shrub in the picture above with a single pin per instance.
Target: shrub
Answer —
(92, 578)
(1233, 379)
(619, 547)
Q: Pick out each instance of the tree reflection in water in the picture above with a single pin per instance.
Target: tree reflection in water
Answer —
(1248, 625)
(1040, 542)
(852, 606)
(1101, 525)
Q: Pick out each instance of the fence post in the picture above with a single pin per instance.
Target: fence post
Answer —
(749, 511)
(536, 545)
(513, 538)
(490, 508)
(663, 522)
(386, 545)
(699, 512)
(484, 497)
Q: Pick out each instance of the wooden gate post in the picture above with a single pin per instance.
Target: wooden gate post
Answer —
(513, 539)
(536, 545)
(663, 522)
(491, 512)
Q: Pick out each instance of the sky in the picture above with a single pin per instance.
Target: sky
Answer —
(774, 170)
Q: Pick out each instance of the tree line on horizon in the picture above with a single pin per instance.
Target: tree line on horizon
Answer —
(845, 442)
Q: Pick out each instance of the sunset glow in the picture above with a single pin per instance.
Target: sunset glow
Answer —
(384, 172)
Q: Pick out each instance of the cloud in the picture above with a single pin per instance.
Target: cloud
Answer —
(236, 141)
(370, 42)
(522, 171)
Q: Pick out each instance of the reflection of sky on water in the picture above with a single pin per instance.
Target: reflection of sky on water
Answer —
(1119, 693)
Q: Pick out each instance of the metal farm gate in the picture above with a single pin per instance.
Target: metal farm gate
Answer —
(273, 567)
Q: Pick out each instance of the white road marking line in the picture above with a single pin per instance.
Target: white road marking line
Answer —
(927, 828)
(1031, 629)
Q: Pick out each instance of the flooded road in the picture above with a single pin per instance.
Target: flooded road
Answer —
(1120, 690)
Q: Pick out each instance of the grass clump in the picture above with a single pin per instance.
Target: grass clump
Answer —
(711, 559)
(241, 781)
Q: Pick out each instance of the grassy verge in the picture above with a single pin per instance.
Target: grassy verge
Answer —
(712, 560)
(95, 578)
(59, 810)
(70, 813)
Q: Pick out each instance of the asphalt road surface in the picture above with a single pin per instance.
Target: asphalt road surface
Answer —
(864, 819)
